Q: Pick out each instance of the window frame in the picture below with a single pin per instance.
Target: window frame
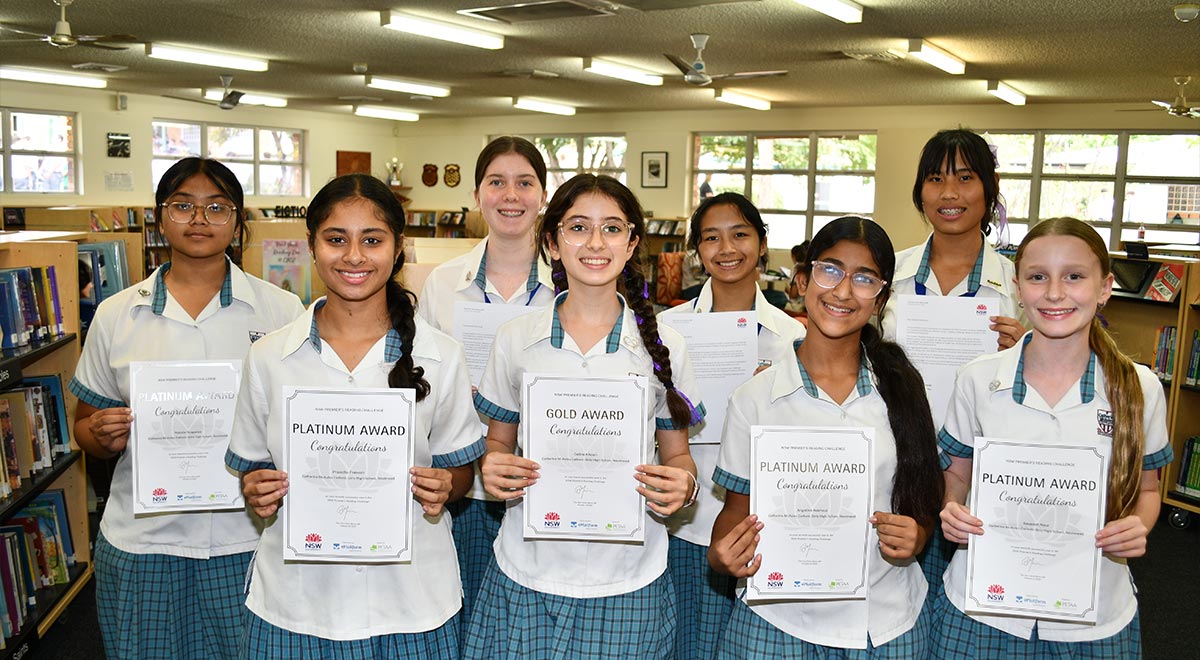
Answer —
(257, 161)
(580, 146)
(7, 151)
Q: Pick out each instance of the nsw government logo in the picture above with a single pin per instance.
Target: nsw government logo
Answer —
(981, 310)
(775, 580)
(158, 495)
(312, 541)
(995, 593)
(552, 519)
(741, 322)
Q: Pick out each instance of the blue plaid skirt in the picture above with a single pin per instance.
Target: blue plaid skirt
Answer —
(263, 640)
(511, 622)
(960, 636)
(703, 600)
(160, 606)
(934, 560)
(474, 524)
(750, 637)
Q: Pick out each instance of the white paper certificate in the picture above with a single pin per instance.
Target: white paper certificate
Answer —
(1041, 506)
(724, 351)
(941, 334)
(475, 326)
(588, 434)
(812, 488)
(181, 418)
(347, 453)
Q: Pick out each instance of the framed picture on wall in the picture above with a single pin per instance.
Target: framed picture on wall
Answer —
(654, 169)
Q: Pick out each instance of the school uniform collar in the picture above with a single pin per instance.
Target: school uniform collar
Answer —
(1011, 374)
(766, 319)
(474, 271)
(973, 279)
(551, 327)
(790, 379)
(153, 291)
(304, 330)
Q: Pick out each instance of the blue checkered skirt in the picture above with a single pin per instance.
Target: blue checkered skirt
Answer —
(960, 636)
(934, 560)
(160, 606)
(512, 621)
(269, 642)
(474, 524)
(703, 600)
(750, 637)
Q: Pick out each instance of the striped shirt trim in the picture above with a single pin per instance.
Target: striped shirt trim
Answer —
(493, 411)
(611, 343)
(943, 460)
(666, 424)
(1087, 383)
(158, 304)
(1158, 459)
(973, 280)
(91, 398)
(862, 383)
(481, 276)
(731, 482)
(951, 446)
(239, 464)
(460, 457)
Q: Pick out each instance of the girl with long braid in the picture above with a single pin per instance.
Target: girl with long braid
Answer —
(364, 334)
(594, 599)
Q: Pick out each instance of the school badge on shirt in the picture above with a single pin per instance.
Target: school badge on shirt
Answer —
(256, 335)
(1104, 423)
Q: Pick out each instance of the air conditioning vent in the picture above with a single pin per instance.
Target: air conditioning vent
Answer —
(537, 11)
(97, 66)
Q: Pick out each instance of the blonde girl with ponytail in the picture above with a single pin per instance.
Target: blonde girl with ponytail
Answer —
(1065, 382)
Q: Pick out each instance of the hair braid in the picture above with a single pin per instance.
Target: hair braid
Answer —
(660, 355)
(401, 309)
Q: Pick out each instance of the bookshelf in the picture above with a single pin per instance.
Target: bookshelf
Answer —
(56, 356)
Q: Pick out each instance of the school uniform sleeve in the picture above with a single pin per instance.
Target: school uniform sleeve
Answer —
(94, 382)
(248, 449)
(684, 379)
(426, 306)
(498, 396)
(733, 463)
(454, 440)
(1158, 452)
(957, 436)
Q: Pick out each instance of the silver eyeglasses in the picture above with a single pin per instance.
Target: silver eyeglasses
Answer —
(578, 232)
(827, 276)
(184, 212)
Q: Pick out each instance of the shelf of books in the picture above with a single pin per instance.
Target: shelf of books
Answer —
(44, 542)
(1181, 479)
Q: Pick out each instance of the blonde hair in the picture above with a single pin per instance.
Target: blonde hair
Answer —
(1123, 388)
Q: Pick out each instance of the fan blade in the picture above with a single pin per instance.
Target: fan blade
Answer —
(97, 44)
(743, 75)
(20, 41)
(1162, 104)
(40, 35)
(109, 38)
(679, 63)
(190, 98)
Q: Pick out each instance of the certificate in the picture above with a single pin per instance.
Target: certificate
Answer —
(589, 435)
(475, 326)
(813, 490)
(724, 351)
(1041, 506)
(941, 334)
(181, 420)
(347, 453)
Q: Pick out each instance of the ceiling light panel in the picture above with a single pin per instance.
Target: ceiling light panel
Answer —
(932, 55)
(51, 78)
(1005, 92)
(843, 10)
(213, 94)
(408, 86)
(523, 103)
(380, 112)
(733, 98)
(621, 72)
(424, 27)
(205, 57)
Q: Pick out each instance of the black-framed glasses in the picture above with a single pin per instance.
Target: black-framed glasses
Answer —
(828, 275)
(578, 232)
(184, 212)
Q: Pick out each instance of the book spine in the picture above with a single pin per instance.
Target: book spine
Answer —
(52, 279)
(1184, 463)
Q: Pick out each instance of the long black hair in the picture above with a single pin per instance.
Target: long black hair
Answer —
(947, 147)
(634, 279)
(917, 486)
(745, 208)
(221, 177)
(401, 303)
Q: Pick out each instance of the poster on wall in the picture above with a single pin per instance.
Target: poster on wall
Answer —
(286, 265)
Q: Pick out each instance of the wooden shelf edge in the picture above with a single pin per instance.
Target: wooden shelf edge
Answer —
(1181, 500)
(23, 356)
(37, 483)
(51, 602)
(64, 600)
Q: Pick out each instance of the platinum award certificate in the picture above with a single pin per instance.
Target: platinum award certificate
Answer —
(1041, 506)
(588, 434)
(347, 453)
(812, 488)
(182, 412)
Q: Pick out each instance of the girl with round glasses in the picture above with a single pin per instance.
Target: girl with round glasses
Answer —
(170, 584)
(728, 234)
(843, 375)
(569, 598)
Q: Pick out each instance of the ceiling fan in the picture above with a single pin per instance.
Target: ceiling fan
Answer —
(1180, 107)
(229, 98)
(697, 74)
(62, 37)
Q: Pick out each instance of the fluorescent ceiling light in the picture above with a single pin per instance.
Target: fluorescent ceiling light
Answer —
(248, 99)
(51, 78)
(843, 10)
(930, 54)
(524, 103)
(380, 112)
(620, 71)
(733, 98)
(205, 57)
(1004, 92)
(397, 85)
(423, 27)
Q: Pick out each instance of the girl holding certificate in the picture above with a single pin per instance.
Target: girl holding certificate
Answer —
(170, 584)
(728, 233)
(571, 598)
(1061, 381)
(364, 334)
(843, 375)
(503, 269)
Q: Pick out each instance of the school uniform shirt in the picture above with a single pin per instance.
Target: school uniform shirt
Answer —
(464, 279)
(785, 395)
(349, 601)
(777, 333)
(992, 399)
(145, 323)
(537, 343)
(992, 278)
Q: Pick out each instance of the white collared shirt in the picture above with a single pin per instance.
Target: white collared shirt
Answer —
(777, 333)
(997, 282)
(348, 601)
(579, 569)
(983, 404)
(783, 395)
(131, 327)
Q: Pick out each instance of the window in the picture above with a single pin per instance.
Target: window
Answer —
(568, 155)
(267, 161)
(1119, 181)
(800, 181)
(40, 152)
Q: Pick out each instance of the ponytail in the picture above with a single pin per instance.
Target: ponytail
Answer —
(401, 310)
(1124, 392)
